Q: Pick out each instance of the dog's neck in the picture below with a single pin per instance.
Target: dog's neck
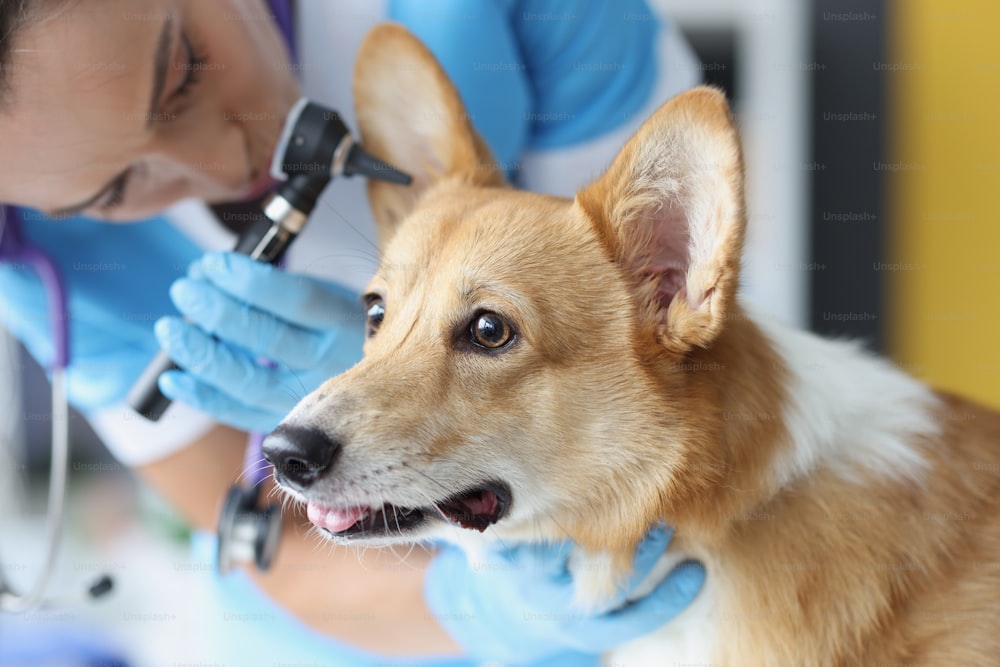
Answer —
(780, 405)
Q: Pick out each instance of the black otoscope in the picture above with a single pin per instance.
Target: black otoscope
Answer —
(314, 147)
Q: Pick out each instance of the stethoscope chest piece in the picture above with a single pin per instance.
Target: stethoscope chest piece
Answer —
(247, 534)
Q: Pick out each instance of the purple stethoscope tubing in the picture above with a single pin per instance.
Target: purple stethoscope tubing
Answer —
(15, 250)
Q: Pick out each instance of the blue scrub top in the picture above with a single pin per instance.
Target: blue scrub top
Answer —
(117, 278)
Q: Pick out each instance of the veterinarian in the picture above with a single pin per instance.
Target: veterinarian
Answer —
(166, 112)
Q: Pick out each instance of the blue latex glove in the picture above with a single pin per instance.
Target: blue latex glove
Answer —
(242, 312)
(517, 605)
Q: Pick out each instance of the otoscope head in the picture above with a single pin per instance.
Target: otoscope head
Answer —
(360, 162)
(315, 142)
(303, 190)
(308, 142)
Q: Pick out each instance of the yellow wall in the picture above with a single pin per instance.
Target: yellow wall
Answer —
(944, 197)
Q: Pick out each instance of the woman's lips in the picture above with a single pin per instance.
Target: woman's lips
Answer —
(261, 179)
(263, 184)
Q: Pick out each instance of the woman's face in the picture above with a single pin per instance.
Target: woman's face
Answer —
(119, 108)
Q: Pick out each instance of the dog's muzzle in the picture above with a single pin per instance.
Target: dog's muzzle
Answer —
(302, 456)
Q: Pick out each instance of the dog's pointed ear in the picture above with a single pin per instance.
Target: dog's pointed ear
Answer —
(670, 208)
(410, 115)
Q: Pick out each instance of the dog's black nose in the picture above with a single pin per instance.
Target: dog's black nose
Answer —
(300, 456)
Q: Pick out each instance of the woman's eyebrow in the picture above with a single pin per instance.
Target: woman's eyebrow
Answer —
(161, 63)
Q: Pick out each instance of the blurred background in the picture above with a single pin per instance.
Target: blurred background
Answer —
(872, 155)
(873, 162)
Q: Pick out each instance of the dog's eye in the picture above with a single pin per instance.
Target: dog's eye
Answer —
(375, 313)
(491, 331)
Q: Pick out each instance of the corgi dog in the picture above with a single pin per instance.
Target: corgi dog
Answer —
(539, 368)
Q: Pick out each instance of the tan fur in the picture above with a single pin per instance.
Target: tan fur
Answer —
(420, 135)
(825, 573)
(613, 411)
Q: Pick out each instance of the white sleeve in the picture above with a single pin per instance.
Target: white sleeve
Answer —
(136, 441)
(563, 171)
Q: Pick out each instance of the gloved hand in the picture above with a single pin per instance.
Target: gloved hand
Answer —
(517, 605)
(242, 313)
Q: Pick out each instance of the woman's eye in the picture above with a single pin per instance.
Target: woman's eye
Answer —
(490, 331)
(375, 313)
(194, 67)
(116, 195)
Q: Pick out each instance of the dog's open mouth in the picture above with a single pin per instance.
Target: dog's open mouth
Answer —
(475, 509)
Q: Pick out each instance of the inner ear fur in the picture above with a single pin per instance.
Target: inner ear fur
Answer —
(670, 208)
(410, 114)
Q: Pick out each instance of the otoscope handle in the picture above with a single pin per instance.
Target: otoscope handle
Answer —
(145, 397)
(262, 241)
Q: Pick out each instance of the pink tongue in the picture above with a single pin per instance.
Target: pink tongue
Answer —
(334, 518)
